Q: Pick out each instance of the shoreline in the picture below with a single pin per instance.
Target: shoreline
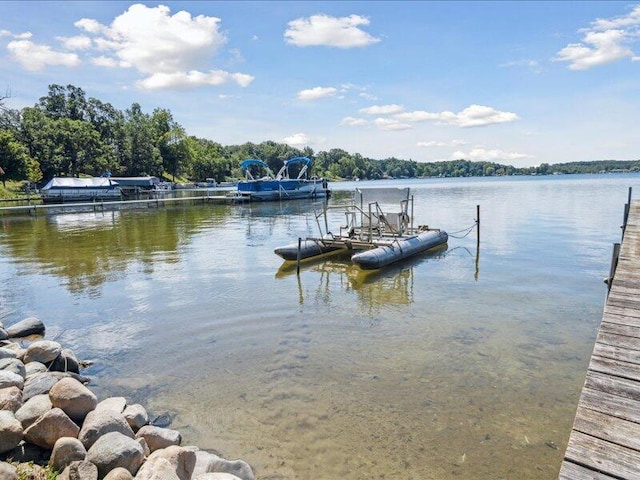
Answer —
(50, 418)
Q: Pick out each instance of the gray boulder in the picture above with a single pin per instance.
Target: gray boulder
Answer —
(7, 353)
(8, 471)
(51, 426)
(136, 416)
(43, 351)
(172, 462)
(26, 327)
(11, 432)
(157, 437)
(33, 409)
(117, 404)
(210, 463)
(79, 470)
(65, 451)
(10, 379)
(119, 473)
(33, 368)
(100, 422)
(10, 399)
(73, 398)
(114, 450)
(3, 334)
(13, 365)
(28, 453)
(65, 362)
(38, 384)
(216, 476)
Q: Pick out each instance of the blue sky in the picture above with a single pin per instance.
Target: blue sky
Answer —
(519, 83)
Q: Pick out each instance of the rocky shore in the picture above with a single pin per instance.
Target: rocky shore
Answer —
(49, 417)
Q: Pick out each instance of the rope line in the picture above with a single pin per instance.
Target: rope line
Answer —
(466, 231)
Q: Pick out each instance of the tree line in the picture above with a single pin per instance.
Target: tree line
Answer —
(67, 134)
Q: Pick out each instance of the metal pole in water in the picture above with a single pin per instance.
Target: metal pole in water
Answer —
(478, 223)
(298, 256)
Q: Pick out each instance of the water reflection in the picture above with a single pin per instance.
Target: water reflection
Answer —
(392, 285)
(87, 249)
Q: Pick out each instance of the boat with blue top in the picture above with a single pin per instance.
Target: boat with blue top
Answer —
(374, 236)
(280, 186)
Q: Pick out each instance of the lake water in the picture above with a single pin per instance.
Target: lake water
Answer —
(451, 365)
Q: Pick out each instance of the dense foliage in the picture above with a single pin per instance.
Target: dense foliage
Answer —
(67, 134)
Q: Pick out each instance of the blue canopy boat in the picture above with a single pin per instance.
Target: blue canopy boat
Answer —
(280, 186)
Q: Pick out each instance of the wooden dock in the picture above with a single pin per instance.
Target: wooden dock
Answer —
(605, 439)
(159, 201)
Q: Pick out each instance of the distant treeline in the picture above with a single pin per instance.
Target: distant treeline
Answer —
(68, 134)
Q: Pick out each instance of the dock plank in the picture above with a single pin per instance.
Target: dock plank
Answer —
(614, 405)
(602, 456)
(571, 471)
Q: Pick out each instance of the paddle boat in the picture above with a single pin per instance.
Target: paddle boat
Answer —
(280, 186)
(373, 237)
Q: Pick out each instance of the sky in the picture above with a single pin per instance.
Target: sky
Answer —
(518, 83)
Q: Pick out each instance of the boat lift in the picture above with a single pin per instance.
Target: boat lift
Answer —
(375, 237)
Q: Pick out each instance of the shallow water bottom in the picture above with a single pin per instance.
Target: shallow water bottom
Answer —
(314, 401)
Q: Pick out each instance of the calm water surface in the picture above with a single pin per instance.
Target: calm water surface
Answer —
(448, 366)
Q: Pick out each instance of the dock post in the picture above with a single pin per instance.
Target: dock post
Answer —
(478, 224)
(625, 217)
(298, 256)
(615, 254)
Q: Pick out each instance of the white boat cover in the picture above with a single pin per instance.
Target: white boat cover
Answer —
(70, 182)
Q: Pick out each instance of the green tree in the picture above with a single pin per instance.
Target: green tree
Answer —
(15, 160)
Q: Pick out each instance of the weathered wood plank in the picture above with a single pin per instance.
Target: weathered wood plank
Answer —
(612, 385)
(615, 352)
(615, 368)
(626, 312)
(619, 340)
(603, 456)
(609, 428)
(620, 319)
(571, 471)
(619, 329)
(614, 405)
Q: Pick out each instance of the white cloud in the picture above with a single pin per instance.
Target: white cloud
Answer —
(78, 42)
(630, 20)
(343, 32)
(316, 93)
(108, 62)
(417, 116)
(606, 41)
(434, 143)
(382, 109)
(173, 51)
(391, 124)
(34, 57)
(297, 140)
(472, 116)
(17, 36)
(481, 154)
(89, 25)
(532, 65)
(353, 122)
(600, 48)
(192, 79)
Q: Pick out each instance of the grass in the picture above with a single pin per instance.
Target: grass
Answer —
(12, 189)
(30, 471)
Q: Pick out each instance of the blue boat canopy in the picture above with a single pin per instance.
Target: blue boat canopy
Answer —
(259, 163)
(253, 161)
(284, 171)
